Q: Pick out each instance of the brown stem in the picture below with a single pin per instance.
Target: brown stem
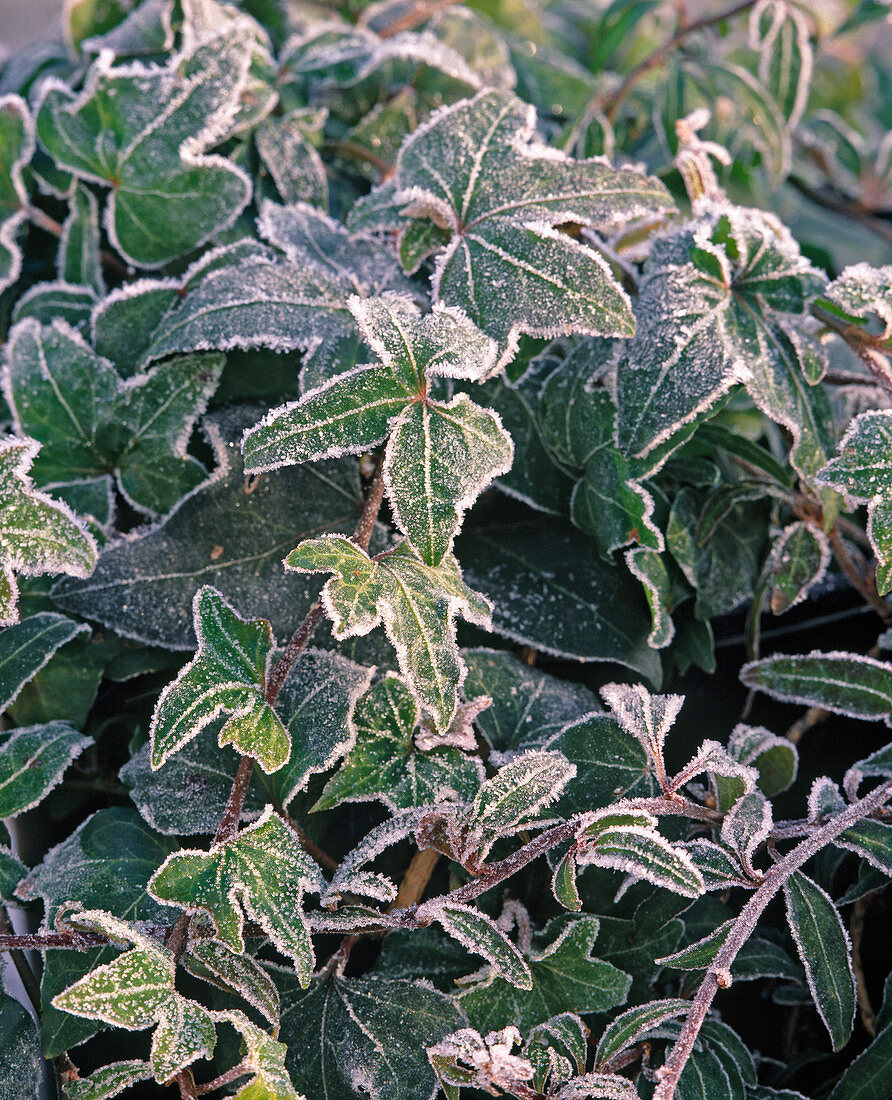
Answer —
(241, 1070)
(420, 13)
(814, 716)
(856, 931)
(416, 878)
(71, 941)
(187, 1085)
(876, 361)
(719, 970)
(228, 826)
(309, 846)
(178, 936)
(27, 975)
(612, 104)
(864, 585)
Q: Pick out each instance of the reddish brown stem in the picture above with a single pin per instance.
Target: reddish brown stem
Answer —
(228, 826)
(241, 1070)
(187, 1085)
(863, 584)
(73, 941)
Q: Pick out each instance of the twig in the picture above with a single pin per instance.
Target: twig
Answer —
(719, 970)
(309, 846)
(612, 104)
(856, 931)
(241, 1070)
(420, 13)
(861, 343)
(814, 716)
(416, 878)
(228, 826)
(187, 1085)
(864, 585)
(27, 975)
(72, 941)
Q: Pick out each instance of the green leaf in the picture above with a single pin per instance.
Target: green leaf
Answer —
(867, 1076)
(566, 978)
(37, 534)
(480, 935)
(108, 1081)
(46, 302)
(746, 826)
(218, 964)
(265, 1057)
(221, 536)
(775, 758)
(698, 956)
(550, 592)
(706, 319)
(350, 1034)
(144, 135)
(627, 1028)
(798, 561)
(79, 262)
(863, 472)
(416, 603)
(33, 760)
(227, 675)
(598, 1086)
(90, 421)
(864, 293)
(26, 647)
(522, 787)
(105, 863)
(287, 147)
(824, 949)
(12, 871)
(16, 149)
(386, 763)
(610, 764)
(21, 1063)
(845, 683)
(262, 872)
(504, 237)
(872, 840)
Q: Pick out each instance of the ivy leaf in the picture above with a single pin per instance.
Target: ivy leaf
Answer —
(265, 1056)
(416, 603)
(227, 675)
(565, 978)
(610, 764)
(37, 534)
(287, 147)
(349, 1034)
(89, 420)
(439, 456)
(863, 472)
(79, 261)
(16, 149)
(845, 683)
(218, 964)
(708, 315)
(108, 1081)
(262, 872)
(824, 949)
(479, 934)
(21, 1063)
(27, 646)
(503, 236)
(33, 760)
(143, 133)
(862, 294)
(386, 763)
(223, 536)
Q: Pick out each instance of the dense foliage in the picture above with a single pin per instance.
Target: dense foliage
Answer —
(527, 365)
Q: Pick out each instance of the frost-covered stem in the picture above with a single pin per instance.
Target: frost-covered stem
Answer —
(309, 846)
(186, 1083)
(71, 941)
(864, 585)
(241, 1070)
(744, 926)
(179, 934)
(228, 826)
(362, 536)
(613, 103)
(28, 978)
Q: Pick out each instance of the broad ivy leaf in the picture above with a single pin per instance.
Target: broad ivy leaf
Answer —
(550, 592)
(266, 1058)
(37, 534)
(21, 1063)
(33, 760)
(416, 603)
(218, 964)
(349, 1034)
(610, 764)
(79, 261)
(798, 561)
(46, 302)
(108, 1081)
(863, 472)
(143, 132)
(136, 991)
(566, 978)
(387, 765)
(227, 675)
(89, 420)
(262, 872)
(708, 316)
(845, 683)
(26, 647)
(16, 149)
(105, 863)
(825, 951)
(221, 535)
(503, 237)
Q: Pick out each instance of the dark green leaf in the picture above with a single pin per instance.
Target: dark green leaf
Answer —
(26, 647)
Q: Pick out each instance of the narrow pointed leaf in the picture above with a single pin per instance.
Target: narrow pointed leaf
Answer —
(108, 1081)
(622, 1032)
(480, 935)
(845, 683)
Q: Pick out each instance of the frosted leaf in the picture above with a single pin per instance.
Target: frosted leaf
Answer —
(798, 561)
(168, 196)
(529, 706)
(465, 1058)
(825, 950)
(746, 826)
(775, 758)
(460, 733)
(48, 301)
(630, 1025)
(16, 149)
(37, 534)
(645, 716)
(845, 683)
(367, 1036)
(79, 262)
(26, 647)
(479, 43)
(780, 32)
(265, 1056)
(416, 603)
(33, 760)
(145, 580)
(636, 848)
(352, 920)
(862, 471)
(349, 877)
(598, 1086)
(261, 873)
(824, 799)
(863, 292)
(709, 312)
(104, 1083)
(136, 991)
(386, 763)
(89, 420)
(480, 935)
(288, 150)
(716, 865)
(565, 1031)
(650, 568)
(714, 758)
(229, 970)
(474, 170)
(144, 30)
(565, 977)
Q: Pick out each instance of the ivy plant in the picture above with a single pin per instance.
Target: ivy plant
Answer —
(440, 446)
